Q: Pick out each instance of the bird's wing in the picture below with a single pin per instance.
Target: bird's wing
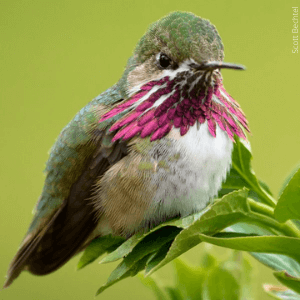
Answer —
(63, 218)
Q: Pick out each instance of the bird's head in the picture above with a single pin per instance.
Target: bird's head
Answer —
(173, 79)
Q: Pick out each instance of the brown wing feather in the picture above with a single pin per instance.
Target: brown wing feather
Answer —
(70, 226)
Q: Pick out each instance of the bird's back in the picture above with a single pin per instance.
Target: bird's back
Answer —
(63, 219)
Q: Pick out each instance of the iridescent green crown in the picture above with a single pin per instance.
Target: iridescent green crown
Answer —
(181, 35)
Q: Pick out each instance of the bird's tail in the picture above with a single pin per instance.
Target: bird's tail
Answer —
(50, 248)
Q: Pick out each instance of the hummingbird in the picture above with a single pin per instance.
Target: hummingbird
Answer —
(155, 146)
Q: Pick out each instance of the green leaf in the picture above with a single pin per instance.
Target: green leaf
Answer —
(130, 244)
(124, 249)
(174, 294)
(230, 209)
(248, 228)
(288, 206)
(255, 196)
(234, 180)
(288, 280)
(265, 187)
(245, 275)
(98, 247)
(157, 257)
(288, 178)
(207, 260)
(266, 244)
(189, 279)
(153, 284)
(242, 175)
(278, 262)
(221, 284)
(140, 255)
(122, 272)
(275, 261)
(228, 277)
(280, 292)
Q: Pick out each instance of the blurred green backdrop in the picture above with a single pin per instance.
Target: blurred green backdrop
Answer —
(58, 55)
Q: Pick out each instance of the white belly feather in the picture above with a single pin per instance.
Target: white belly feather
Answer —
(189, 182)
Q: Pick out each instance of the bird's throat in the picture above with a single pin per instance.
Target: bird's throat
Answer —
(179, 102)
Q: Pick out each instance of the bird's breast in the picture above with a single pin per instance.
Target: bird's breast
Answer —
(174, 176)
(192, 170)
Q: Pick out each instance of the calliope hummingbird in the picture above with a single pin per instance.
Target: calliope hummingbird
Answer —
(154, 146)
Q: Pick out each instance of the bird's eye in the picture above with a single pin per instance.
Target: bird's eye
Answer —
(164, 61)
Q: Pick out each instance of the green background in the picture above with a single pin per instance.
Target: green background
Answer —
(58, 55)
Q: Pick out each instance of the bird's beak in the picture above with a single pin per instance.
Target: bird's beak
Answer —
(212, 65)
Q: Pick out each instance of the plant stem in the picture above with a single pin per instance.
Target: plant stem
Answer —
(269, 200)
(266, 196)
(263, 214)
(260, 208)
